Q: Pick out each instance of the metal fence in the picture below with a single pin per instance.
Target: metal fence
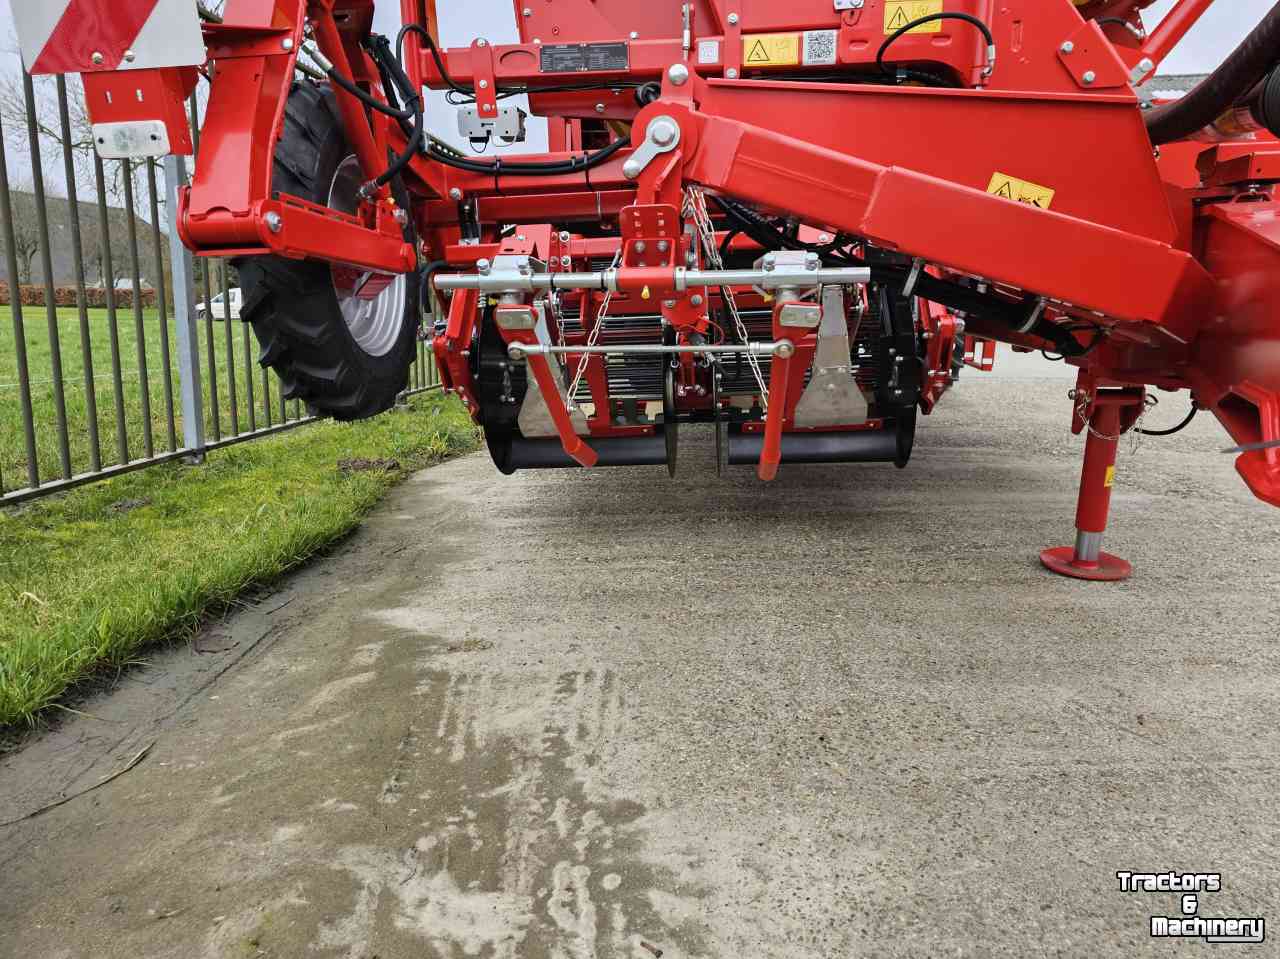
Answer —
(96, 391)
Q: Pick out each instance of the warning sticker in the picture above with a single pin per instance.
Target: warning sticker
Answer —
(898, 13)
(1023, 191)
(1111, 477)
(771, 50)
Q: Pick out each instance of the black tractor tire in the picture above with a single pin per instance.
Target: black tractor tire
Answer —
(293, 305)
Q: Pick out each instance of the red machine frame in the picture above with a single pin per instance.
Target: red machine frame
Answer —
(1171, 274)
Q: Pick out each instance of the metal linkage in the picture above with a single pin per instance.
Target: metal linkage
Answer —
(615, 280)
(781, 349)
(696, 207)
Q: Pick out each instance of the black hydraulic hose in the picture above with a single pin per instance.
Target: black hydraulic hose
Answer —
(1223, 88)
(428, 271)
(388, 65)
(1195, 408)
(932, 18)
(497, 168)
(370, 101)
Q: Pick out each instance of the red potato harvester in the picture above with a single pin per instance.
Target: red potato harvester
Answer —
(796, 220)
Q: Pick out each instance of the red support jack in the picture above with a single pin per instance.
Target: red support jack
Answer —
(1111, 414)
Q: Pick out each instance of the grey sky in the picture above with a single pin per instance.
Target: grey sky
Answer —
(1227, 22)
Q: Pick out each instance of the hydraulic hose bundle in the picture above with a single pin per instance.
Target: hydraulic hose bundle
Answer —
(396, 80)
(1229, 85)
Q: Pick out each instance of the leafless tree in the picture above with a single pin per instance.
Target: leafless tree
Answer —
(26, 229)
(96, 250)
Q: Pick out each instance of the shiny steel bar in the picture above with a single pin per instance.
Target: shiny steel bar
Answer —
(518, 351)
(511, 281)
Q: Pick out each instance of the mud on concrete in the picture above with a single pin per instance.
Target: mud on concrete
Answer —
(610, 714)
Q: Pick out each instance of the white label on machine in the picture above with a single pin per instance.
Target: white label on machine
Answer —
(819, 48)
(708, 51)
(90, 36)
(131, 141)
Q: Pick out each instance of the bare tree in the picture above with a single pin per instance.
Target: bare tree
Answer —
(112, 250)
(26, 229)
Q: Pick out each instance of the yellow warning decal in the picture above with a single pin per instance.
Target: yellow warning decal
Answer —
(898, 13)
(1024, 191)
(1111, 477)
(771, 50)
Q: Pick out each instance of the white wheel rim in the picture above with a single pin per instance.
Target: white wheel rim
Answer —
(375, 322)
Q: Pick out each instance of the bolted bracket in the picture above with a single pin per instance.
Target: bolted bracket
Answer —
(662, 136)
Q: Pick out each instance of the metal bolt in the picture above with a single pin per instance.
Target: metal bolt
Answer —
(130, 56)
(287, 43)
(733, 19)
(663, 246)
(566, 262)
(731, 73)
(635, 35)
(1067, 47)
(696, 299)
(678, 74)
(669, 304)
(455, 194)
(640, 246)
(484, 84)
(599, 108)
(483, 265)
(663, 131)
(564, 236)
(527, 12)
(273, 221)
(401, 217)
(97, 57)
(482, 42)
(824, 238)
(1089, 76)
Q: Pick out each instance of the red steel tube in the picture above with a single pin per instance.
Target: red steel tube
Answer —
(354, 120)
(571, 441)
(1174, 27)
(771, 449)
(1097, 477)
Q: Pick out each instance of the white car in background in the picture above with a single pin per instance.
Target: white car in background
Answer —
(219, 310)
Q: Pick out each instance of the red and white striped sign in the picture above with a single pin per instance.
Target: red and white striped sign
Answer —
(90, 36)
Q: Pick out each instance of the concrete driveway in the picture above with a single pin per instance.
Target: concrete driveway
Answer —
(572, 714)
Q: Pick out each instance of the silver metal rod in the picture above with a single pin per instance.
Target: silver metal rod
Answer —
(184, 316)
(511, 281)
(518, 351)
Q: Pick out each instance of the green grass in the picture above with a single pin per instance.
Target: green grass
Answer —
(91, 578)
(257, 401)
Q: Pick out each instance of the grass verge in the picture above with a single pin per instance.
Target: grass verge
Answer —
(90, 578)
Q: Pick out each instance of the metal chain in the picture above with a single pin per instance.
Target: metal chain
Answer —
(696, 207)
(592, 337)
(1082, 400)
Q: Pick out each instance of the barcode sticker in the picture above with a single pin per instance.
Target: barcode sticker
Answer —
(819, 47)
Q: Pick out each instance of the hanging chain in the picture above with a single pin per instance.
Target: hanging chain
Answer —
(1082, 400)
(592, 337)
(696, 207)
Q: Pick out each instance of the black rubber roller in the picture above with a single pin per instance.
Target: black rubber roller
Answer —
(860, 446)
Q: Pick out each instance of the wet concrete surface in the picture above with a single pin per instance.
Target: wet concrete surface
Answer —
(607, 714)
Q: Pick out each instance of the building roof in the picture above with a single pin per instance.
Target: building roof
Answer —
(1170, 86)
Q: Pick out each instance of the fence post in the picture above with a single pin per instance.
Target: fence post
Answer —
(184, 318)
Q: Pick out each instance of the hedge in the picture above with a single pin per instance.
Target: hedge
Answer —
(66, 296)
